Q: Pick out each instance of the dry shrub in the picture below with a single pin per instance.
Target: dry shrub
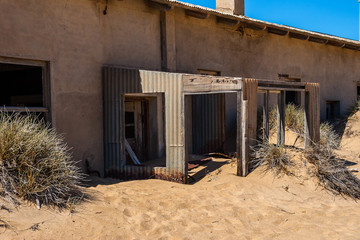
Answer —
(328, 136)
(294, 118)
(35, 163)
(331, 171)
(274, 158)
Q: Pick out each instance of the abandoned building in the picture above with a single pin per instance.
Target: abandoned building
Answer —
(117, 76)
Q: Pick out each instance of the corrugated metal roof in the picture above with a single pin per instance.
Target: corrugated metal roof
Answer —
(347, 43)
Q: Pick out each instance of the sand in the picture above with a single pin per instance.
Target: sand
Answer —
(220, 206)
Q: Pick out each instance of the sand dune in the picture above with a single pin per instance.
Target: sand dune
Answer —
(220, 206)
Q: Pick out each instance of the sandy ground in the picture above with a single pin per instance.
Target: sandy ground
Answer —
(220, 206)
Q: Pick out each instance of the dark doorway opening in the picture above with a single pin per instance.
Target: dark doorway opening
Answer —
(358, 92)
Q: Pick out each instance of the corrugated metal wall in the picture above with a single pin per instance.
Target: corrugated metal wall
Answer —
(116, 82)
(208, 129)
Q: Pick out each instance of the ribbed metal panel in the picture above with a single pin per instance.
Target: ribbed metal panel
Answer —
(117, 82)
(113, 118)
(171, 84)
(208, 123)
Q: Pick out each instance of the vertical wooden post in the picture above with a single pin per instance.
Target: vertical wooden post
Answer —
(245, 139)
(307, 121)
(312, 114)
(239, 131)
(281, 119)
(266, 117)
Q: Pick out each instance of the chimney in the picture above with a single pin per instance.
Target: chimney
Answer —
(235, 7)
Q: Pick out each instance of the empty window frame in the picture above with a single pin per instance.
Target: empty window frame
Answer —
(358, 90)
(24, 86)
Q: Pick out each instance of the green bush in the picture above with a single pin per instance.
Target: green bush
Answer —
(35, 163)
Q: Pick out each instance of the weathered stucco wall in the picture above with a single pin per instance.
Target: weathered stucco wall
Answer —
(77, 40)
(205, 44)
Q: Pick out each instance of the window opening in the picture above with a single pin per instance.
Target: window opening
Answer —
(24, 87)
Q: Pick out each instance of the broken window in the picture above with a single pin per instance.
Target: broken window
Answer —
(24, 87)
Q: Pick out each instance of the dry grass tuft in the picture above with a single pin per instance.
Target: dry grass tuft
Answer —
(332, 172)
(35, 163)
(273, 158)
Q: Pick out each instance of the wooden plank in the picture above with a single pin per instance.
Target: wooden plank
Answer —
(239, 130)
(282, 89)
(307, 121)
(196, 14)
(312, 114)
(266, 118)
(250, 93)
(199, 83)
(281, 119)
(159, 6)
(227, 21)
(245, 147)
(263, 82)
(131, 153)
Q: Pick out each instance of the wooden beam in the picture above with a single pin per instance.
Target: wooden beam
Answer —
(277, 31)
(318, 40)
(227, 21)
(196, 14)
(245, 146)
(300, 36)
(335, 43)
(282, 89)
(199, 83)
(276, 83)
(266, 117)
(352, 47)
(250, 90)
(239, 131)
(281, 119)
(312, 114)
(255, 26)
(159, 6)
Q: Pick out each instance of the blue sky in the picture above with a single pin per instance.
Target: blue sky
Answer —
(335, 17)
